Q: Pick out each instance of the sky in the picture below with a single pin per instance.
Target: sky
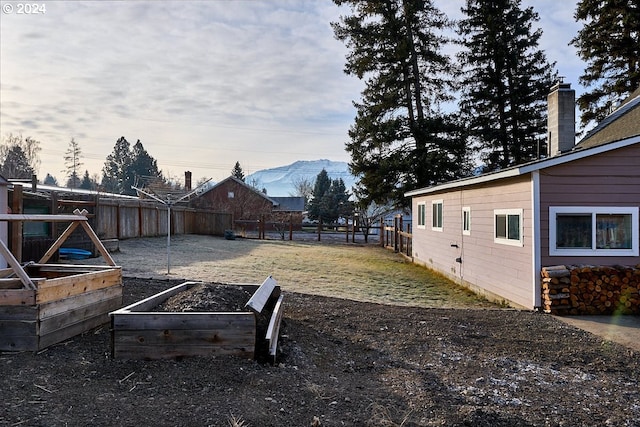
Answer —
(202, 84)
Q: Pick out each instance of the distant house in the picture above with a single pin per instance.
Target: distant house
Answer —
(237, 197)
(494, 232)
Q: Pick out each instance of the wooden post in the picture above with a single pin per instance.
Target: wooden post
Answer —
(290, 226)
(140, 216)
(16, 227)
(54, 211)
(400, 237)
(353, 229)
(395, 234)
(382, 232)
(319, 228)
(347, 230)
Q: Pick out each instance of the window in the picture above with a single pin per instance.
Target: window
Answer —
(593, 231)
(436, 215)
(422, 214)
(508, 227)
(230, 195)
(466, 220)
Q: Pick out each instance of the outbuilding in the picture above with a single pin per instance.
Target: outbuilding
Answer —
(580, 205)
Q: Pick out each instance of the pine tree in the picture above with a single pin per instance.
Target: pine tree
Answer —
(400, 138)
(115, 178)
(237, 172)
(87, 183)
(72, 164)
(50, 180)
(320, 188)
(15, 164)
(143, 166)
(19, 156)
(506, 81)
(609, 42)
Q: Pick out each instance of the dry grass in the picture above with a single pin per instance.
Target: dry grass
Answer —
(353, 271)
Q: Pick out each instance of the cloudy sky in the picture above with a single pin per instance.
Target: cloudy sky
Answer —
(202, 84)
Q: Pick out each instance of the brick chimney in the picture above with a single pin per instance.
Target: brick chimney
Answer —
(187, 180)
(561, 119)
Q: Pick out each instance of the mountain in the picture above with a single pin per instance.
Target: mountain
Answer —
(280, 181)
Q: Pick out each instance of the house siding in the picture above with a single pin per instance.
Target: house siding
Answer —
(488, 267)
(609, 179)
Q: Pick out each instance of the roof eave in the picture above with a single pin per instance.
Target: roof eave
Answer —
(527, 168)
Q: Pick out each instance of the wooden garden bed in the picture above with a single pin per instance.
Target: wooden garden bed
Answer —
(43, 304)
(142, 331)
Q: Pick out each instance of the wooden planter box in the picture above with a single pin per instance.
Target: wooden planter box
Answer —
(138, 332)
(67, 300)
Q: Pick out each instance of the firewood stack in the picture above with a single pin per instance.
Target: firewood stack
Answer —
(591, 290)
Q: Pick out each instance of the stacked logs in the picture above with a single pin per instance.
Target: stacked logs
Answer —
(591, 290)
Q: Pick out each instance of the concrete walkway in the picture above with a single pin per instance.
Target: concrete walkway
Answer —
(623, 330)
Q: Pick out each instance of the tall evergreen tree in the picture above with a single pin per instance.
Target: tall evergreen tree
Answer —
(50, 180)
(72, 164)
(320, 188)
(506, 79)
(143, 166)
(15, 164)
(400, 138)
(609, 42)
(87, 182)
(237, 172)
(21, 162)
(115, 178)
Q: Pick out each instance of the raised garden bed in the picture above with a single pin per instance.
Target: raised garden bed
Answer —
(43, 304)
(67, 300)
(180, 322)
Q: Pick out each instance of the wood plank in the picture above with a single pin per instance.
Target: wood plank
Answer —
(15, 265)
(273, 330)
(260, 298)
(72, 330)
(79, 316)
(41, 217)
(182, 320)
(11, 283)
(82, 300)
(16, 328)
(18, 312)
(17, 297)
(236, 337)
(19, 343)
(64, 287)
(154, 300)
(173, 352)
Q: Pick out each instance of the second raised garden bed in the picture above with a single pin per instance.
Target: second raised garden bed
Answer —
(148, 330)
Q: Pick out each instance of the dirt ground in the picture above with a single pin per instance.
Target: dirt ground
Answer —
(341, 362)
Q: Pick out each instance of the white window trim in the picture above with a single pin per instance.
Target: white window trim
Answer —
(424, 206)
(434, 203)
(594, 210)
(467, 210)
(510, 242)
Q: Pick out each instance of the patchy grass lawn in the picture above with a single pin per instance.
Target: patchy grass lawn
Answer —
(353, 271)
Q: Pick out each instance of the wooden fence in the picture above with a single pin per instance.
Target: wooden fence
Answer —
(110, 218)
(124, 219)
(396, 235)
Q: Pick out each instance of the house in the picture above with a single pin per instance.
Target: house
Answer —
(237, 197)
(248, 205)
(494, 232)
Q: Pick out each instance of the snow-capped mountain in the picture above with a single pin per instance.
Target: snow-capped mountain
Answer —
(280, 181)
